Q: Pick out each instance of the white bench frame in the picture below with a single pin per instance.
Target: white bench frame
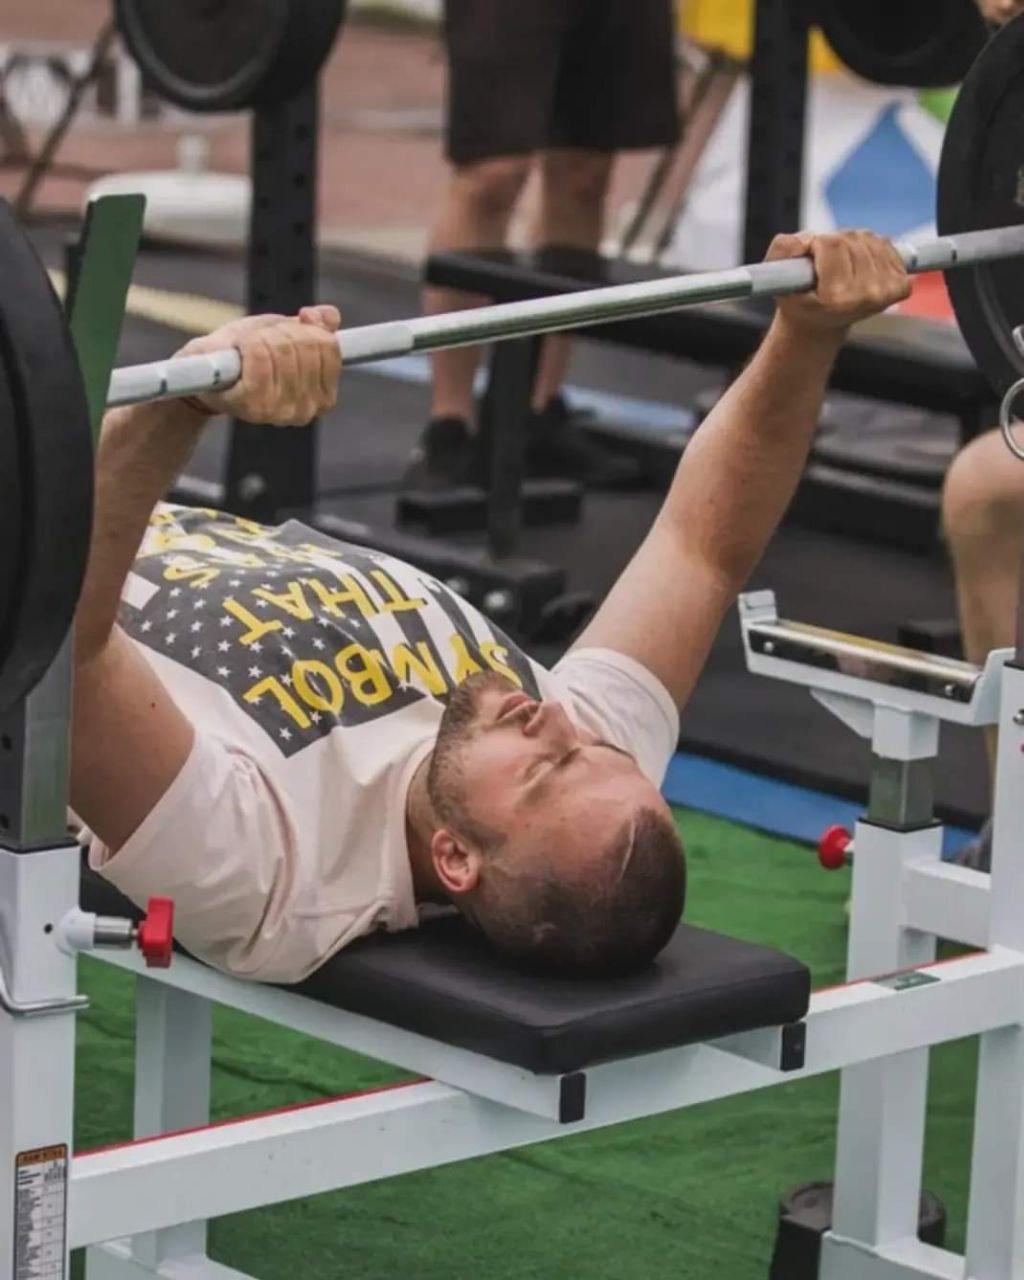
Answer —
(141, 1208)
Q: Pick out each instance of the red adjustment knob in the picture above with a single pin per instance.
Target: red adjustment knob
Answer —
(156, 933)
(833, 847)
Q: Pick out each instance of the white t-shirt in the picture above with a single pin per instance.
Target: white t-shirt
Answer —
(315, 674)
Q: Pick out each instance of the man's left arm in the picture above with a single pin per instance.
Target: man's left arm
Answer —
(740, 471)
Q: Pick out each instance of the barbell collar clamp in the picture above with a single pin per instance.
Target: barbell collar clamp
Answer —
(1007, 419)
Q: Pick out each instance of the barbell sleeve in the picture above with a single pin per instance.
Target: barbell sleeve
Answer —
(194, 375)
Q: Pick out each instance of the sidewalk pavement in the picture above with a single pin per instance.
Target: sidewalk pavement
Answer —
(382, 169)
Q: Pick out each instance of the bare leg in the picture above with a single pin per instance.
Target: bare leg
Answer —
(572, 208)
(983, 516)
(475, 215)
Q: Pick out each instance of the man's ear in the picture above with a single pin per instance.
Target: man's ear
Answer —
(456, 865)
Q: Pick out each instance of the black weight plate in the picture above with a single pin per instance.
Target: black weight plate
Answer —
(228, 55)
(11, 530)
(47, 501)
(305, 46)
(981, 185)
(926, 44)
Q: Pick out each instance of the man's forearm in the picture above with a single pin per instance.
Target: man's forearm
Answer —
(742, 467)
(141, 451)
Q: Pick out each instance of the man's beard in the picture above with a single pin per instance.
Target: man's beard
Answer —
(446, 774)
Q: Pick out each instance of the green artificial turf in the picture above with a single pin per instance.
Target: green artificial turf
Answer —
(692, 1194)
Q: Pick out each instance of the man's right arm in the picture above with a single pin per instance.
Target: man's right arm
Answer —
(129, 738)
(141, 451)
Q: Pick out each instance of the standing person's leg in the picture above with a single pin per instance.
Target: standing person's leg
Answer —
(983, 519)
(474, 215)
(616, 91)
(574, 186)
(502, 68)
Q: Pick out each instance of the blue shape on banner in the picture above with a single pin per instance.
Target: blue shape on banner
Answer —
(884, 183)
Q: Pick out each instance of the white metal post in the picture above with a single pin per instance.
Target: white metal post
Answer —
(173, 1046)
(39, 880)
(880, 1136)
(995, 1223)
(38, 1055)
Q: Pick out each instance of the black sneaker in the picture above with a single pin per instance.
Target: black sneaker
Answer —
(446, 456)
(557, 445)
(976, 855)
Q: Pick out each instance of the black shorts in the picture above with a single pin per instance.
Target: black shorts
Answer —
(525, 75)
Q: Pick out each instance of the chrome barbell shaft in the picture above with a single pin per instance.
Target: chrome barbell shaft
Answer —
(194, 375)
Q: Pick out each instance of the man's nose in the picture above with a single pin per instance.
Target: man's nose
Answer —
(551, 725)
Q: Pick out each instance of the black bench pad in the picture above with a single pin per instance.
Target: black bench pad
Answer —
(907, 359)
(441, 981)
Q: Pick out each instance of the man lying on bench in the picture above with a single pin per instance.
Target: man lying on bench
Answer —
(302, 741)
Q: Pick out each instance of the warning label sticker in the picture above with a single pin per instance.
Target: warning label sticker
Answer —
(40, 1213)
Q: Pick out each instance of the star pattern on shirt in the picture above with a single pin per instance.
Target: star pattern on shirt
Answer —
(278, 661)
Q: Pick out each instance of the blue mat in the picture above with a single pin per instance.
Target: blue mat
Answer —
(779, 808)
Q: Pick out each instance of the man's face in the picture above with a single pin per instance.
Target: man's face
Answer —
(511, 769)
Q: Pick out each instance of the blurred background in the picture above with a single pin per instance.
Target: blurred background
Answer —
(383, 95)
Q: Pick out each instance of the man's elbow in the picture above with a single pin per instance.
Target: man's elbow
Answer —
(91, 642)
(725, 564)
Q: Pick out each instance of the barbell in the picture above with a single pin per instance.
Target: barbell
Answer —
(217, 371)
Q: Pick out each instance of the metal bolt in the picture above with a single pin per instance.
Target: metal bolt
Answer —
(769, 646)
(460, 586)
(1019, 717)
(497, 603)
(949, 690)
(251, 487)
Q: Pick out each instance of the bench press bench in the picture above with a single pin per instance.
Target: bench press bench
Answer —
(434, 1001)
(442, 981)
(505, 1059)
